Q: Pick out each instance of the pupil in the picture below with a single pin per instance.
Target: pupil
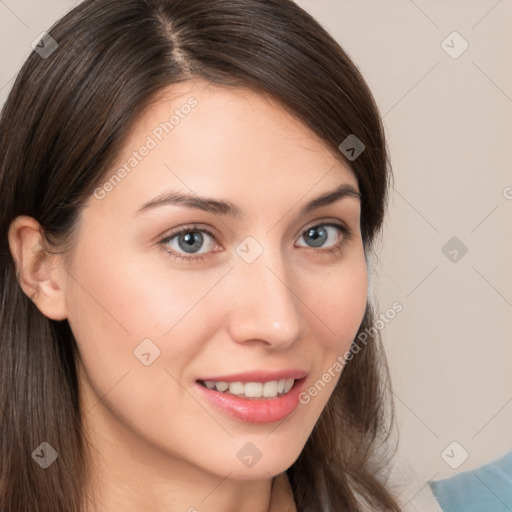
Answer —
(192, 242)
(319, 238)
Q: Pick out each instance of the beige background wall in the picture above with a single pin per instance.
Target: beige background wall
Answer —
(449, 124)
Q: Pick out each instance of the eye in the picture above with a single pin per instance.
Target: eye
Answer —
(192, 243)
(329, 235)
(189, 242)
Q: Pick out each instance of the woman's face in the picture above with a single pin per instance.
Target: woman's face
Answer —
(248, 293)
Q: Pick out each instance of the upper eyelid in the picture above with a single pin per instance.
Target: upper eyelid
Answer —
(188, 229)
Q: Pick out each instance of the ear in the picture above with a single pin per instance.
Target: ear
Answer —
(40, 273)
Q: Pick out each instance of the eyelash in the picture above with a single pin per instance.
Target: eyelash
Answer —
(347, 235)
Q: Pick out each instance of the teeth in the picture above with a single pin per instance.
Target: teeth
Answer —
(253, 389)
(288, 385)
(270, 389)
(235, 388)
(221, 386)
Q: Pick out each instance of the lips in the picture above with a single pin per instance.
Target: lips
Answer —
(256, 397)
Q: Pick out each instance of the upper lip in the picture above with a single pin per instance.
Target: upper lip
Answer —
(259, 376)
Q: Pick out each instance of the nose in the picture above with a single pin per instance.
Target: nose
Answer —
(265, 303)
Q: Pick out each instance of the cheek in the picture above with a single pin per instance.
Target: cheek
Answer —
(338, 299)
(116, 304)
(127, 298)
(338, 305)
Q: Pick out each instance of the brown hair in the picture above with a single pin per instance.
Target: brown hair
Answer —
(60, 131)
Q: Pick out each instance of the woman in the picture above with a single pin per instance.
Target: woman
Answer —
(238, 138)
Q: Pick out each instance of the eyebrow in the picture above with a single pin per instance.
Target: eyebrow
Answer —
(190, 200)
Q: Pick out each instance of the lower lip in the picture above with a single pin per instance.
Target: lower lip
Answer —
(255, 410)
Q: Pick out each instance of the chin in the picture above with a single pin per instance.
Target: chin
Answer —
(271, 462)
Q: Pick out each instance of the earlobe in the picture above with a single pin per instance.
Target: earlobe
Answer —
(39, 272)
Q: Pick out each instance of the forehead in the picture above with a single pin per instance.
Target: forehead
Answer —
(209, 139)
(223, 121)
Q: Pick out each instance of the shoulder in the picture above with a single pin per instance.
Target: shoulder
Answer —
(486, 488)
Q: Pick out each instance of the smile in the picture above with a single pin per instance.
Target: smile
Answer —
(253, 402)
(270, 389)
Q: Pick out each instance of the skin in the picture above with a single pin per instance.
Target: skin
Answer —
(156, 444)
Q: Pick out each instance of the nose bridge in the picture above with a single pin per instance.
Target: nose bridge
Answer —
(267, 306)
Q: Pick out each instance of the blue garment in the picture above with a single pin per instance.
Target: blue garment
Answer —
(485, 489)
